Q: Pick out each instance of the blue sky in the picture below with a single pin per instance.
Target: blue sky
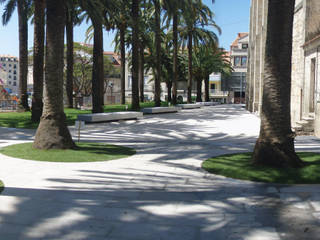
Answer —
(231, 15)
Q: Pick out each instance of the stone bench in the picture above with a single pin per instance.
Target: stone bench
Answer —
(153, 110)
(208, 103)
(189, 106)
(112, 116)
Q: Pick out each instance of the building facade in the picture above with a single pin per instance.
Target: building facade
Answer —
(305, 87)
(10, 65)
(236, 83)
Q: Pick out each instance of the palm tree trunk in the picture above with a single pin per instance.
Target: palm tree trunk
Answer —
(189, 99)
(175, 58)
(141, 72)
(206, 89)
(97, 69)
(70, 61)
(38, 60)
(52, 132)
(169, 91)
(135, 54)
(199, 90)
(275, 145)
(23, 55)
(157, 90)
(123, 65)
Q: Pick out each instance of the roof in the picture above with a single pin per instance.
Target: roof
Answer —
(115, 58)
(240, 35)
(7, 56)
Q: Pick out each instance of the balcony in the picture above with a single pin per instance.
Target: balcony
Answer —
(218, 93)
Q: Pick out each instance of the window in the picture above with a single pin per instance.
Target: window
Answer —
(14, 78)
(213, 86)
(9, 65)
(245, 46)
(4, 64)
(10, 83)
(14, 84)
(244, 61)
(10, 71)
(146, 80)
(15, 66)
(129, 81)
(9, 76)
(14, 72)
(237, 61)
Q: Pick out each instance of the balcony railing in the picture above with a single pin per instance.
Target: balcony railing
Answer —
(214, 92)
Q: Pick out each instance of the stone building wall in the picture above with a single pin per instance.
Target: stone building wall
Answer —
(305, 87)
(255, 70)
(297, 76)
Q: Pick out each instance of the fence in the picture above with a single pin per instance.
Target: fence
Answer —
(8, 105)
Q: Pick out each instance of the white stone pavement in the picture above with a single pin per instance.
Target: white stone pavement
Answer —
(159, 193)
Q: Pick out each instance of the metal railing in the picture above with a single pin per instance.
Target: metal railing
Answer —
(8, 105)
(214, 92)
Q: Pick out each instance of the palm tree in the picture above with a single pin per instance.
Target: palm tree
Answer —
(73, 17)
(95, 10)
(275, 145)
(135, 54)
(38, 60)
(172, 10)
(52, 132)
(157, 18)
(196, 15)
(70, 12)
(208, 59)
(24, 7)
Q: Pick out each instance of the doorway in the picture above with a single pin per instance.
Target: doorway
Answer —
(312, 85)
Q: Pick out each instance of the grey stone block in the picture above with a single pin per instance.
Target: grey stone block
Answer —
(154, 110)
(189, 106)
(112, 116)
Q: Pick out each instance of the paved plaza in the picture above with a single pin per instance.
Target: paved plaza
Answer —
(161, 193)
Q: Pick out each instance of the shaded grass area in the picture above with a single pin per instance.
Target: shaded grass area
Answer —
(23, 119)
(1, 186)
(84, 152)
(239, 166)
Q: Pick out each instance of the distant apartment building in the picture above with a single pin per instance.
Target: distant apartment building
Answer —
(215, 88)
(236, 83)
(10, 65)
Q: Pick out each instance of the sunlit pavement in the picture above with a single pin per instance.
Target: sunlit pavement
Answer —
(159, 193)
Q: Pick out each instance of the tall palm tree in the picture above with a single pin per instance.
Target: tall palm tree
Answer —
(23, 7)
(275, 145)
(95, 11)
(73, 17)
(157, 17)
(208, 59)
(135, 54)
(52, 132)
(172, 11)
(70, 12)
(196, 15)
(38, 60)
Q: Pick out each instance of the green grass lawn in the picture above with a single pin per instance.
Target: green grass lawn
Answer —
(84, 152)
(1, 186)
(23, 119)
(239, 166)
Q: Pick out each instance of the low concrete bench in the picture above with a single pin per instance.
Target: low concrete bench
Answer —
(208, 103)
(112, 116)
(154, 110)
(189, 106)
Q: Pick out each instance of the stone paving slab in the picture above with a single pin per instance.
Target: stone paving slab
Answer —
(159, 193)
